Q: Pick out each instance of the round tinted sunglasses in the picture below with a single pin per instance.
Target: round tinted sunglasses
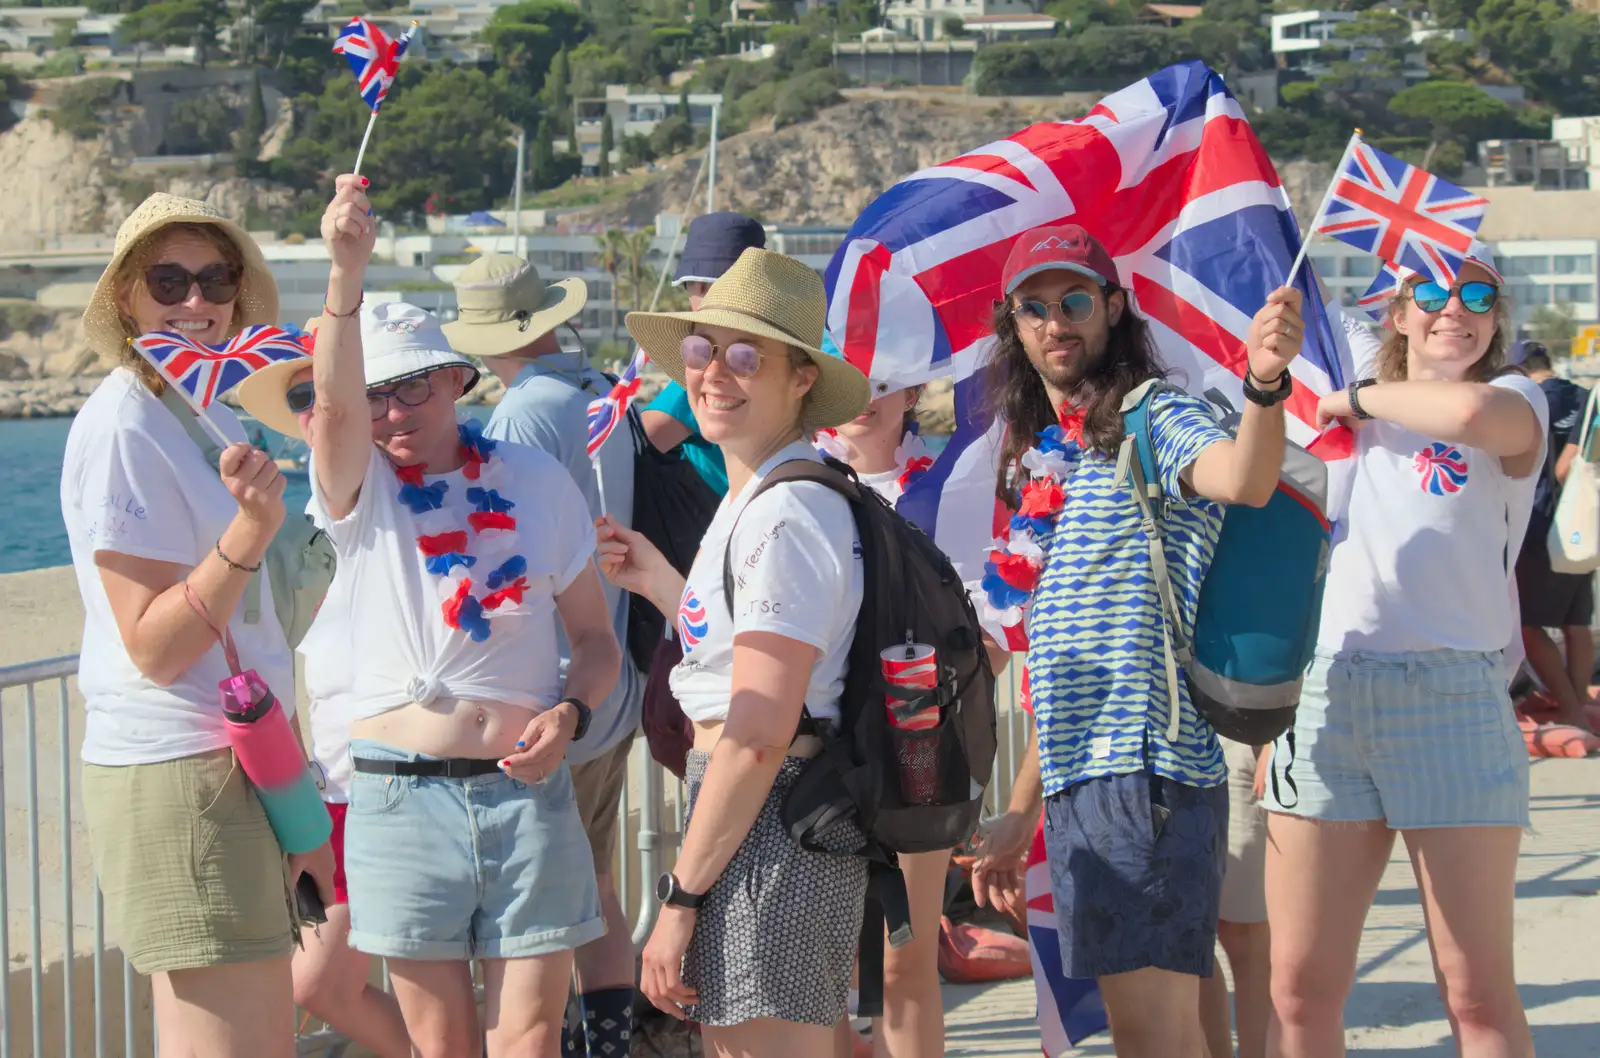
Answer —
(1077, 307)
(1477, 297)
(742, 359)
(169, 284)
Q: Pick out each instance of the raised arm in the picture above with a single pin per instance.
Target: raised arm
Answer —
(1497, 419)
(342, 423)
(1245, 469)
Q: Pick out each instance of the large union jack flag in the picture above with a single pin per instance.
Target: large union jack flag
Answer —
(1170, 177)
(374, 57)
(609, 410)
(202, 373)
(1401, 214)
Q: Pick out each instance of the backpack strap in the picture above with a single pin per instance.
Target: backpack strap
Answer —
(212, 454)
(793, 470)
(1136, 463)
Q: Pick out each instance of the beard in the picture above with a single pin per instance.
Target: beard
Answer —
(1066, 375)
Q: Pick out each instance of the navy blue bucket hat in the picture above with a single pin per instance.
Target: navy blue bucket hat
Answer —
(714, 242)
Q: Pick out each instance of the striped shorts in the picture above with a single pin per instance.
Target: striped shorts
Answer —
(1424, 739)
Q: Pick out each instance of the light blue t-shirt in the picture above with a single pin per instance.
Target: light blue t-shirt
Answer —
(1096, 661)
(704, 456)
(546, 406)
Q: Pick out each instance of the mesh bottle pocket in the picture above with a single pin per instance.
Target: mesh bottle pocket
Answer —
(917, 753)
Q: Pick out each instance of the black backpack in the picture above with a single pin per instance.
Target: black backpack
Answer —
(672, 506)
(911, 593)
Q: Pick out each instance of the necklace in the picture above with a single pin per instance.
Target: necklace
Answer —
(451, 552)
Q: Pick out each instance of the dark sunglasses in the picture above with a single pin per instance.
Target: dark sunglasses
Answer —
(413, 392)
(169, 284)
(1476, 297)
(1077, 307)
(742, 359)
(301, 397)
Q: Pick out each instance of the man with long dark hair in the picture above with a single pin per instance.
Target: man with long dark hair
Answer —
(1136, 820)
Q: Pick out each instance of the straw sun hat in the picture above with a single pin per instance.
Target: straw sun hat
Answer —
(771, 296)
(258, 292)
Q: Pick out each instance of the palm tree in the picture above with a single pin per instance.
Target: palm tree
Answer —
(635, 249)
(612, 256)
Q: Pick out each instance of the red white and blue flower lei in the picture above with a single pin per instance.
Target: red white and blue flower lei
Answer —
(1011, 575)
(912, 458)
(490, 538)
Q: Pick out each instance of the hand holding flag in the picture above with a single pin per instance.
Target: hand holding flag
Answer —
(375, 60)
(609, 410)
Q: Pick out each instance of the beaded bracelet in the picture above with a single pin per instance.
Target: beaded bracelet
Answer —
(234, 565)
(343, 315)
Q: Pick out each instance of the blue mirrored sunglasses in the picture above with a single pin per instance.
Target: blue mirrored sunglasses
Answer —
(1476, 296)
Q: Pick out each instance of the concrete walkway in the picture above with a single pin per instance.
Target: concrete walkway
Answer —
(1394, 1011)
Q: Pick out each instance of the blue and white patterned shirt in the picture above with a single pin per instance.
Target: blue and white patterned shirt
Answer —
(1096, 663)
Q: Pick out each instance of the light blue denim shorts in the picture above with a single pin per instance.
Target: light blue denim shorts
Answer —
(458, 868)
(1423, 739)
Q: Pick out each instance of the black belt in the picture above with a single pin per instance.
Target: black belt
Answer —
(448, 768)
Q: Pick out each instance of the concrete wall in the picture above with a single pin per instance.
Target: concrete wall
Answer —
(913, 64)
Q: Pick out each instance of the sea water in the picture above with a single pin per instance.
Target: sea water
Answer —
(31, 531)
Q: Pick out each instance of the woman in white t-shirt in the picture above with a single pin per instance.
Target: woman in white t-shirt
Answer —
(756, 937)
(1405, 723)
(194, 880)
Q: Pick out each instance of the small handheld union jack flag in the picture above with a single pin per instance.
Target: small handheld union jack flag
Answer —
(373, 57)
(1399, 213)
(201, 373)
(605, 413)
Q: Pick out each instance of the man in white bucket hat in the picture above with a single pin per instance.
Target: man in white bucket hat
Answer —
(508, 318)
(464, 556)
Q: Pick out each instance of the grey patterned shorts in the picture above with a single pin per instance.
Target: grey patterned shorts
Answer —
(777, 935)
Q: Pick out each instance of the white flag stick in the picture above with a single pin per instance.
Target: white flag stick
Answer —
(1322, 210)
(371, 121)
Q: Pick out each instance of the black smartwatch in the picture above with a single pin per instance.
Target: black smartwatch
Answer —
(1352, 391)
(584, 716)
(1267, 398)
(668, 891)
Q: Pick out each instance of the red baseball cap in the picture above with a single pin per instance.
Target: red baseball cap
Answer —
(1064, 246)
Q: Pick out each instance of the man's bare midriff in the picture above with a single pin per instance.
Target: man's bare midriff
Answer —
(449, 727)
(708, 732)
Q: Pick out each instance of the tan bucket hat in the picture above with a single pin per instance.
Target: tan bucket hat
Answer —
(771, 296)
(504, 305)
(258, 291)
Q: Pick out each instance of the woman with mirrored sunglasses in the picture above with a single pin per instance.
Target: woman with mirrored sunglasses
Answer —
(1404, 723)
(193, 878)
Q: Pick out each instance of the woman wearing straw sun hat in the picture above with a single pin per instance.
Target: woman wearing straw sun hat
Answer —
(756, 937)
(194, 880)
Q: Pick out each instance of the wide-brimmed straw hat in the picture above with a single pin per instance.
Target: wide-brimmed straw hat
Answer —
(504, 304)
(771, 296)
(258, 291)
(398, 341)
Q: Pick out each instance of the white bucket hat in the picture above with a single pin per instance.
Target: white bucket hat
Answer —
(398, 341)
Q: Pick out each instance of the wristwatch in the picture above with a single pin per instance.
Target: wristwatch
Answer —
(584, 715)
(668, 891)
(1267, 398)
(1352, 390)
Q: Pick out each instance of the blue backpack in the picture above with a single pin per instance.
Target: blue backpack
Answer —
(1253, 637)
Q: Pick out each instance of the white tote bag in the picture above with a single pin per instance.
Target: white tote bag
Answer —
(1575, 534)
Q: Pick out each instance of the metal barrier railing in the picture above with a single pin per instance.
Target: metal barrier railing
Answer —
(649, 848)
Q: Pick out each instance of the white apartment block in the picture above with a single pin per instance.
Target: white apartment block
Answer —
(924, 19)
(1310, 41)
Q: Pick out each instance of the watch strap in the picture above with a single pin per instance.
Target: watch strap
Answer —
(1267, 398)
(1353, 391)
(584, 716)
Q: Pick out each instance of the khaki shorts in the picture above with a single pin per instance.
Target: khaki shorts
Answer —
(1244, 888)
(598, 784)
(191, 871)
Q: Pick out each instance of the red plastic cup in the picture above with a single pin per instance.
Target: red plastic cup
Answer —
(914, 666)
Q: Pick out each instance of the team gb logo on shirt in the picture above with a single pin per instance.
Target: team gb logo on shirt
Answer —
(1443, 469)
(692, 623)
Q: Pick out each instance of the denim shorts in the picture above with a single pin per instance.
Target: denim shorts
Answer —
(1136, 867)
(1423, 739)
(458, 868)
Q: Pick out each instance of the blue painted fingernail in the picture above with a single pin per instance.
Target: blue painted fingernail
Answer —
(521, 744)
(369, 211)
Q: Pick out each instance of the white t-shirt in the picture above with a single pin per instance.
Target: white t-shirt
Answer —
(405, 650)
(1425, 552)
(796, 563)
(885, 483)
(329, 675)
(134, 482)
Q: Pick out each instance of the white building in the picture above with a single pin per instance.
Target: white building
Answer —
(1581, 138)
(925, 19)
(1310, 41)
(632, 113)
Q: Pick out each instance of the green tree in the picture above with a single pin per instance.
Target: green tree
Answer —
(178, 23)
(62, 33)
(593, 67)
(526, 37)
(557, 94)
(635, 246)
(83, 107)
(683, 104)
(255, 120)
(277, 23)
(954, 27)
(636, 151)
(201, 124)
(607, 144)
(1453, 111)
(1553, 325)
(613, 258)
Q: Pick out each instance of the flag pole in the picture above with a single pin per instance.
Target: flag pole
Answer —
(371, 121)
(1327, 197)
